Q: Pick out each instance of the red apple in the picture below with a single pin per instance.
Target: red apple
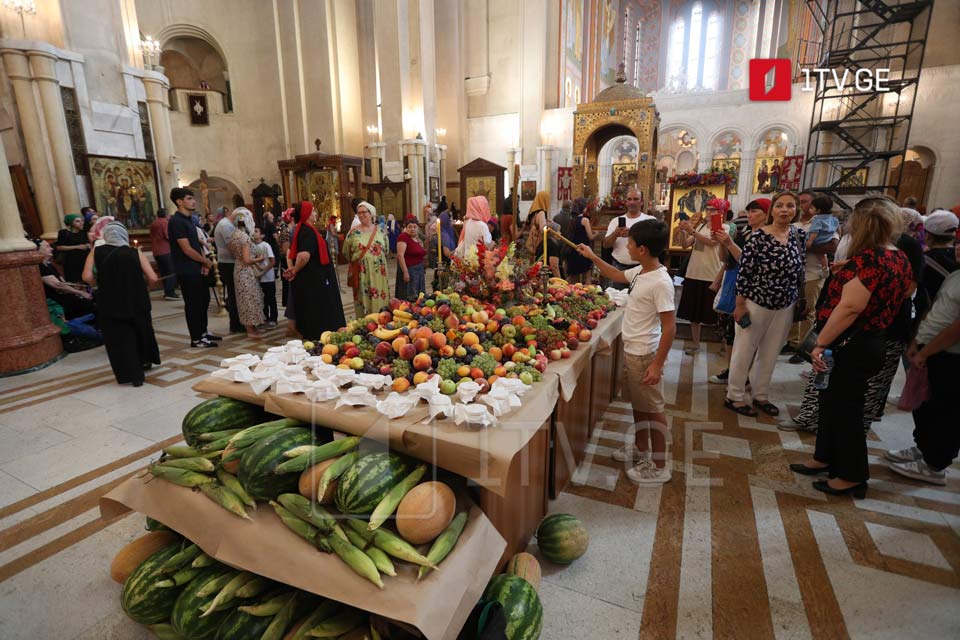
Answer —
(555, 354)
(444, 311)
(592, 323)
(540, 366)
(352, 352)
(395, 304)
(372, 326)
(385, 317)
(408, 351)
(384, 349)
(573, 343)
(508, 350)
(422, 362)
(584, 335)
(385, 370)
(564, 353)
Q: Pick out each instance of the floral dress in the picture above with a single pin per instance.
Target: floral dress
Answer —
(246, 279)
(374, 291)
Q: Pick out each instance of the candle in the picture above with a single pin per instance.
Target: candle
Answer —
(439, 246)
(545, 245)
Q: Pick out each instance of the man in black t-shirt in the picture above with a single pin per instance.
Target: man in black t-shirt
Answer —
(191, 268)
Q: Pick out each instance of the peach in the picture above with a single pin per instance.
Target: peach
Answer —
(326, 358)
(383, 349)
(496, 353)
(400, 385)
(385, 317)
(398, 343)
(420, 377)
(470, 339)
(584, 335)
(408, 351)
(452, 321)
(422, 362)
(438, 341)
(421, 344)
(463, 371)
(330, 350)
(352, 352)
(476, 373)
(446, 351)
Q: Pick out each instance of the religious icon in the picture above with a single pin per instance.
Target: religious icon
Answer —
(790, 171)
(483, 186)
(728, 164)
(855, 182)
(528, 190)
(125, 188)
(766, 177)
(623, 175)
(564, 183)
(687, 203)
(434, 189)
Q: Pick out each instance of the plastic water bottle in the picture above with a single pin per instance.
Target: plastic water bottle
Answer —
(822, 379)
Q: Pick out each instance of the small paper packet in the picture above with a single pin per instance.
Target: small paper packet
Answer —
(396, 405)
(440, 405)
(510, 385)
(373, 381)
(291, 383)
(235, 373)
(322, 391)
(467, 391)
(356, 396)
(292, 345)
(342, 377)
(499, 405)
(428, 389)
(473, 416)
(246, 359)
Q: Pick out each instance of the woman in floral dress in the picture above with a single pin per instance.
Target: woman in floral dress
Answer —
(246, 274)
(374, 289)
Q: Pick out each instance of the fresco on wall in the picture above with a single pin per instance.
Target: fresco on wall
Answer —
(727, 145)
(610, 32)
(572, 35)
(773, 146)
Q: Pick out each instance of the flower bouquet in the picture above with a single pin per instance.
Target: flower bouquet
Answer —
(692, 179)
(493, 274)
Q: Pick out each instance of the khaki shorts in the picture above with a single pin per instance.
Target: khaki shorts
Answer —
(645, 398)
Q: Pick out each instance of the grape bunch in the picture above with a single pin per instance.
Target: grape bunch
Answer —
(436, 324)
(550, 338)
(400, 368)
(447, 369)
(340, 337)
(520, 368)
(486, 363)
(539, 322)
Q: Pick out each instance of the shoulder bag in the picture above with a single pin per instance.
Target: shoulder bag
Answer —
(353, 274)
(800, 307)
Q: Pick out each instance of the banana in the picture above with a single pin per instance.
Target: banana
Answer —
(386, 334)
(558, 281)
(401, 316)
(372, 317)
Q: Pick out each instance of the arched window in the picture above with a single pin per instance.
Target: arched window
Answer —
(693, 57)
(693, 47)
(636, 56)
(675, 52)
(711, 53)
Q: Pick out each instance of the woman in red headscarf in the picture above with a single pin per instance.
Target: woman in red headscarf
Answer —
(696, 299)
(313, 277)
(475, 227)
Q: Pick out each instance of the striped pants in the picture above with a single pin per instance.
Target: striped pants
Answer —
(878, 388)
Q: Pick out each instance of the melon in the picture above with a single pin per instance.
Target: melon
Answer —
(521, 606)
(310, 480)
(133, 554)
(562, 538)
(523, 565)
(425, 512)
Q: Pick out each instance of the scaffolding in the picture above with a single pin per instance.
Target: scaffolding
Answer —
(854, 133)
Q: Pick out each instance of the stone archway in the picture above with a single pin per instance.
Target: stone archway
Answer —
(217, 192)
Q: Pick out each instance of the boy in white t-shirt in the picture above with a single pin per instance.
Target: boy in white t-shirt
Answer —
(268, 280)
(649, 326)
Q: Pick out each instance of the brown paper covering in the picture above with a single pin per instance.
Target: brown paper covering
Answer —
(228, 388)
(438, 605)
(483, 456)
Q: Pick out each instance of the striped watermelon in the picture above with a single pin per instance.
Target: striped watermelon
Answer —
(242, 626)
(140, 599)
(562, 538)
(219, 414)
(521, 606)
(188, 608)
(365, 483)
(523, 565)
(260, 460)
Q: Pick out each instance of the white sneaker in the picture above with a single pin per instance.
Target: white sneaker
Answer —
(648, 473)
(919, 470)
(626, 453)
(909, 454)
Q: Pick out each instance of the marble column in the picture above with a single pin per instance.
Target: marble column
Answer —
(18, 69)
(545, 159)
(442, 168)
(374, 152)
(415, 152)
(28, 339)
(44, 67)
(157, 89)
(511, 163)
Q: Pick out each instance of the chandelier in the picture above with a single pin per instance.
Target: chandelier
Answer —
(22, 7)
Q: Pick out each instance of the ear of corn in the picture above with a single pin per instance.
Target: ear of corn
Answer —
(182, 559)
(216, 445)
(357, 541)
(248, 436)
(214, 586)
(338, 624)
(282, 620)
(225, 498)
(181, 477)
(304, 509)
(327, 609)
(231, 482)
(254, 588)
(295, 524)
(270, 607)
(182, 451)
(180, 578)
(217, 435)
(357, 560)
(336, 470)
(445, 542)
(199, 464)
(392, 544)
(381, 560)
(203, 560)
(228, 592)
(391, 501)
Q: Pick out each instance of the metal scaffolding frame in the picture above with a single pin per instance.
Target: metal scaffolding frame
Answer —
(853, 130)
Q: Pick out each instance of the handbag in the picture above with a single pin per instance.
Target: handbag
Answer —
(916, 389)
(353, 274)
(726, 300)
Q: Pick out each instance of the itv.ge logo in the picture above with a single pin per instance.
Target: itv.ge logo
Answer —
(771, 79)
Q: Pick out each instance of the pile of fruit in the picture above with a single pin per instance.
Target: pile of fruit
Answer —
(461, 338)
(299, 470)
(180, 593)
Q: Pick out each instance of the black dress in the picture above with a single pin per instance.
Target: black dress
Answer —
(72, 261)
(576, 263)
(124, 312)
(316, 293)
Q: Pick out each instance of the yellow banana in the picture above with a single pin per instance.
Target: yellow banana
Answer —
(386, 334)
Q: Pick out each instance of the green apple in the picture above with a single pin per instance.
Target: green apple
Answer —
(448, 387)
(430, 303)
(526, 378)
(460, 352)
(308, 345)
(356, 363)
(356, 339)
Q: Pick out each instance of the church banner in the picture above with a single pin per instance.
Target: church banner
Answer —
(564, 183)
(790, 173)
(199, 114)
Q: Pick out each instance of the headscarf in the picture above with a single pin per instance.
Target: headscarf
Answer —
(244, 216)
(759, 203)
(69, 218)
(369, 207)
(96, 231)
(912, 223)
(115, 235)
(447, 237)
(720, 205)
(541, 202)
(287, 215)
(478, 208)
(306, 208)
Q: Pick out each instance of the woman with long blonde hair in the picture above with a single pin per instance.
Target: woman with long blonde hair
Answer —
(861, 302)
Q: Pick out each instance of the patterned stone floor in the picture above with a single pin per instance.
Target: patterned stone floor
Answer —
(734, 547)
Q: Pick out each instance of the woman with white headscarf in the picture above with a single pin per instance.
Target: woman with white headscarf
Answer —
(246, 272)
(123, 305)
(366, 247)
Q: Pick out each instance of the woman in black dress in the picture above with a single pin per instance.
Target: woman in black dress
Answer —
(72, 247)
(578, 268)
(123, 304)
(313, 277)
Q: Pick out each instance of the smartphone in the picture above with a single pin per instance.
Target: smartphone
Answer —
(621, 222)
(716, 221)
(744, 321)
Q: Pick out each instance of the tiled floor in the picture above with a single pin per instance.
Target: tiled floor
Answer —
(734, 547)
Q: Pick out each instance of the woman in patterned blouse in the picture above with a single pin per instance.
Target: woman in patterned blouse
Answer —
(862, 301)
(768, 285)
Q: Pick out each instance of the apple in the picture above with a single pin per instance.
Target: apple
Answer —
(444, 311)
(564, 353)
(556, 354)
(385, 317)
(385, 370)
(584, 335)
(509, 331)
(422, 362)
(460, 352)
(357, 339)
(372, 326)
(383, 349)
(451, 321)
(476, 373)
(352, 352)
(356, 363)
(508, 350)
(438, 341)
(500, 312)
(573, 343)
(421, 344)
(430, 303)
(420, 377)
(526, 378)
(408, 351)
(448, 387)
(395, 304)
(400, 385)
(592, 323)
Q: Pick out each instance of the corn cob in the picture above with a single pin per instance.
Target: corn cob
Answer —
(199, 464)
(225, 498)
(282, 620)
(444, 543)
(390, 543)
(216, 584)
(270, 607)
(217, 435)
(248, 436)
(182, 559)
(295, 524)
(316, 515)
(231, 482)
(179, 579)
(338, 625)
(336, 470)
(357, 560)
(228, 592)
(354, 538)
(181, 477)
(182, 451)
(203, 560)
(393, 497)
(216, 445)
(254, 588)
(325, 451)
(326, 609)
(380, 560)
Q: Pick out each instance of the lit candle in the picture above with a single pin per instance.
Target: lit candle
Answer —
(439, 246)
(545, 246)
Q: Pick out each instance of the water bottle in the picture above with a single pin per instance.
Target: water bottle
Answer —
(822, 379)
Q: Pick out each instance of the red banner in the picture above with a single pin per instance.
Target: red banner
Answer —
(564, 183)
(790, 171)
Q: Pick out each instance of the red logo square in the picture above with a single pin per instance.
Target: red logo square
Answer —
(770, 79)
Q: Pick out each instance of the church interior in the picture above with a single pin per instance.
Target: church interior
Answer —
(107, 107)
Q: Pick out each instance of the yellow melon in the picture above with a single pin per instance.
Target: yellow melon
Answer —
(133, 554)
(425, 512)
(310, 479)
(524, 565)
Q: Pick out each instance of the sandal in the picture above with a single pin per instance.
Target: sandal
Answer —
(767, 407)
(744, 410)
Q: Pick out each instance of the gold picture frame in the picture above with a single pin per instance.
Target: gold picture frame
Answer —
(125, 188)
(621, 168)
(766, 174)
(685, 202)
(724, 164)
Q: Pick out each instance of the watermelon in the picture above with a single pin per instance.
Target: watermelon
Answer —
(219, 414)
(242, 626)
(562, 538)
(364, 484)
(188, 608)
(521, 606)
(140, 599)
(260, 460)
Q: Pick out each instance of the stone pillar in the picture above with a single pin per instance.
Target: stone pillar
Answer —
(374, 153)
(157, 89)
(415, 151)
(27, 337)
(18, 69)
(44, 70)
(511, 164)
(545, 159)
(442, 167)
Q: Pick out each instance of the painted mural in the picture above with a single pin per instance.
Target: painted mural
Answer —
(610, 31)
(572, 44)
